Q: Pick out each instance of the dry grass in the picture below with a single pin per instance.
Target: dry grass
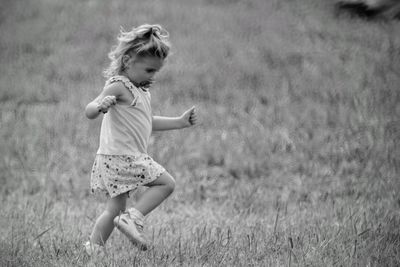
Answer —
(296, 161)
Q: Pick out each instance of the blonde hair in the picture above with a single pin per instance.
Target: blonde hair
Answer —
(145, 40)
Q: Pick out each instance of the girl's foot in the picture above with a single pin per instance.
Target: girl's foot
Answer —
(130, 223)
(93, 249)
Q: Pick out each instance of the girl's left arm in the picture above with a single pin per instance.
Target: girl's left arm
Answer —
(187, 119)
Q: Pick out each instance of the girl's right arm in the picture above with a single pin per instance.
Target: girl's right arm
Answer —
(104, 101)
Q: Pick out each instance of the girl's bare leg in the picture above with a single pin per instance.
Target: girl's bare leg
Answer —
(157, 192)
(104, 223)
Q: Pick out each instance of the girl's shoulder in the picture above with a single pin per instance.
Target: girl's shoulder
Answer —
(119, 84)
(122, 79)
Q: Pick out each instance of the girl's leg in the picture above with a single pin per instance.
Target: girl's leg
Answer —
(131, 223)
(157, 192)
(104, 224)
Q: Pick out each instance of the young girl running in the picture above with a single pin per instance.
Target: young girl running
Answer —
(122, 163)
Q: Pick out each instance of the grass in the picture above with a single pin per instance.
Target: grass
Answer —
(295, 162)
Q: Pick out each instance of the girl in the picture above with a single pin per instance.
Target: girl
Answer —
(122, 163)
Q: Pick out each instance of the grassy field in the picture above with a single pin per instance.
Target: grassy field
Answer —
(295, 162)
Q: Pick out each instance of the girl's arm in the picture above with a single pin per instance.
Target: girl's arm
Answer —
(187, 119)
(104, 101)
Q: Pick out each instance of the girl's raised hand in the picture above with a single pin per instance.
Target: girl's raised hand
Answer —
(106, 103)
(189, 117)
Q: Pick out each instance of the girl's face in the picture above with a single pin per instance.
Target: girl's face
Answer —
(141, 70)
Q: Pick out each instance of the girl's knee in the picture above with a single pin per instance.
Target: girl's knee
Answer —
(166, 181)
(111, 214)
(170, 184)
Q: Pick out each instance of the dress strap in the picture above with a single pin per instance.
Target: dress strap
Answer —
(127, 83)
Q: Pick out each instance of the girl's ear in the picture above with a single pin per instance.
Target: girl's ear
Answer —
(125, 59)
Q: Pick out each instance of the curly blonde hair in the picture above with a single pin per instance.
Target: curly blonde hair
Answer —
(145, 40)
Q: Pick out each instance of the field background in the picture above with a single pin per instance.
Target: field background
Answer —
(295, 162)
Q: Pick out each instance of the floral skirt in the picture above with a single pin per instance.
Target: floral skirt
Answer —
(117, 174)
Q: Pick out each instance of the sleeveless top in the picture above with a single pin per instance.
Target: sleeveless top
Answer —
(126, 129)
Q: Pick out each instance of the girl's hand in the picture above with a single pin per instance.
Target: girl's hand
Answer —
(106, 103)
(189, 117)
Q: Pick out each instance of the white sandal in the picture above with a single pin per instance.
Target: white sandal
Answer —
(93, 249)
(132, 226)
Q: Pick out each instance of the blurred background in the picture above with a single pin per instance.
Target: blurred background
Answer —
(295, 161)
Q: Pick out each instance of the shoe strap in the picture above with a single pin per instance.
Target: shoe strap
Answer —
(135, 219)
(135, 214)
(139, 225)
